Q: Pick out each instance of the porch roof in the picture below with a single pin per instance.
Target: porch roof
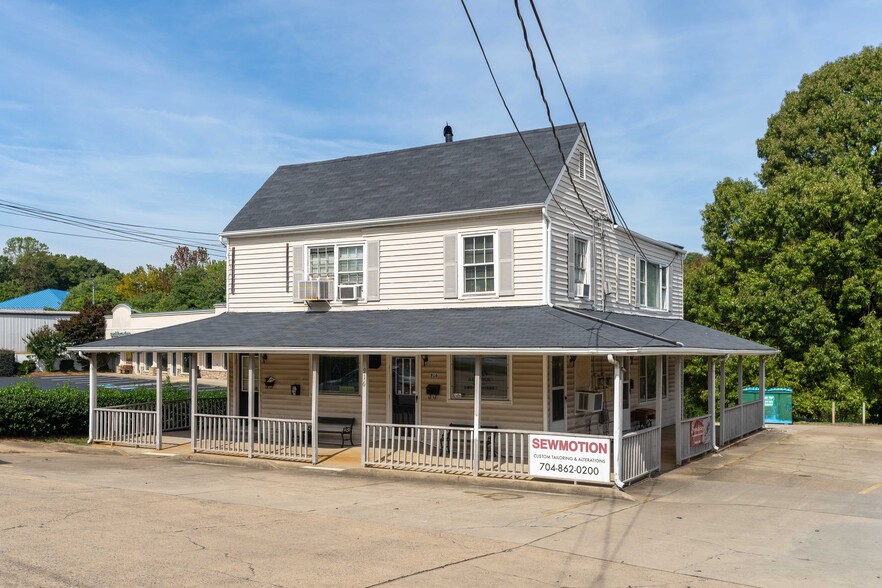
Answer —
(516, 330)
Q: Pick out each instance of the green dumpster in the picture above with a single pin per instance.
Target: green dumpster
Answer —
(777, 404)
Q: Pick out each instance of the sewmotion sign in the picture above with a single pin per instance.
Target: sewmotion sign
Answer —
(566, 457)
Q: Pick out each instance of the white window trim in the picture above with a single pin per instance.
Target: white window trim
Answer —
(589, 273)
(496, 402)
(460, 264)
(337, 246)
(664, 285)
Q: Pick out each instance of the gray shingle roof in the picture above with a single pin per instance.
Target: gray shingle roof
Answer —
(532, 328)
(488, 172)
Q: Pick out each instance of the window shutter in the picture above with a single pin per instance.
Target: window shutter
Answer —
(296, 269)
(571, 265)
(372, 278)
(506, 262)
(450, 273)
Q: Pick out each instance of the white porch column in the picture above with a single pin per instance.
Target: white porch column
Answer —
(678, 433)
(313, 392)
(617, 419)
(93, 393)
(364, 407)
(546, 423)
(194, 391)
(250, 405)
(476, 434)
(712, 397)
(158, 404)
(741, 392)
(722, 395)
(762, 387)
(660, 362)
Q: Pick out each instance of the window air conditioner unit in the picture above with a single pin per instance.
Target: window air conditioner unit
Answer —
(349, 292)
(583, 290)
(315, 290)
(589, 401)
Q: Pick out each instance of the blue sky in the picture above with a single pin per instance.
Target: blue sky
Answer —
(173, 113)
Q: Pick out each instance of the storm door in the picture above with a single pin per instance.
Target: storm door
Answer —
(558, 394)
(404, 390)
(243, 385)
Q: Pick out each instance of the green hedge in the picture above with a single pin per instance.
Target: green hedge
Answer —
(7, 363)
(28, 411)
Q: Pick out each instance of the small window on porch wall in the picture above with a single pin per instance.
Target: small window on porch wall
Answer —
(494, 378)
(649, 378)
(338, 374)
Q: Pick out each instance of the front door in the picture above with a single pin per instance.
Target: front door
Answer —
(558, 394)
(404, 391)
(243, 385)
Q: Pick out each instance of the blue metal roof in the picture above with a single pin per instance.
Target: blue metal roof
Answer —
(38, 300)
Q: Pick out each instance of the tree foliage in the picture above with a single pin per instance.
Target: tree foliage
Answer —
(795, 259)
(47, 344)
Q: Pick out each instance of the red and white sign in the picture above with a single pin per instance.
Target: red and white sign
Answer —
(566, 457)
(698, 430)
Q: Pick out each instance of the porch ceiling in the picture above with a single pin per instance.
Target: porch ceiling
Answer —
(531, 329)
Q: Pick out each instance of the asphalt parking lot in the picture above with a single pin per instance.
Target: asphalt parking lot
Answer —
(81, 381)
(789, 506)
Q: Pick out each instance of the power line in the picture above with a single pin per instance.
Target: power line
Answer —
(121, 239)
(108, 227)
(511, 117)
(614, 209)
(563, 157)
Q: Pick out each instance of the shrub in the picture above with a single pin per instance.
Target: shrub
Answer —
(47, 344)
(26, 367)
(28, 411)
(7, 363)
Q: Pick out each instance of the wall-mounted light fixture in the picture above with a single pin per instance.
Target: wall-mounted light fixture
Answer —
(572, 360)
(263, 358)
(425, 359)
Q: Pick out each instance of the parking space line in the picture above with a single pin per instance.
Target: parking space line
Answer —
(870, 488)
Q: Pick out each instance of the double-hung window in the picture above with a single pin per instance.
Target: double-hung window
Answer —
(344, 264)
(478, 264)
(649, 377)
(653, 285)
(581, 270)
(494, 377)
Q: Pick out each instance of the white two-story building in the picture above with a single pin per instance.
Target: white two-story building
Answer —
(447, 301)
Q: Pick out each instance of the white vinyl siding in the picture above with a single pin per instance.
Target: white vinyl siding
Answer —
(410, 272)
(613, 255)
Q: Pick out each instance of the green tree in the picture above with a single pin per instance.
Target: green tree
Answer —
(795, 260)
(105, 292)
(47, 344)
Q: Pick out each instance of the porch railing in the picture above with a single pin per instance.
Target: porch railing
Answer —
(176, 413)
(730, 423)
(686, 450)
(125, 426)
(754, 415)
(446, 449)
(641, 453)
(281, 439)
(221, 434)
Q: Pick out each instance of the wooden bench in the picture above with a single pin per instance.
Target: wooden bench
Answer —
(448, 435)
(338, 426)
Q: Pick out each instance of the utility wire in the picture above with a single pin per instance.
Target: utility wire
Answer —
(511, 117)
(102, 227)
(563, 157)
(586, 136)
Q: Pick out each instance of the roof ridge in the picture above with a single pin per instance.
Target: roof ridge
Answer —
(421, 147)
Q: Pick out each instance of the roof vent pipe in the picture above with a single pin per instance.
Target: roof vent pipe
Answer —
(448, 134)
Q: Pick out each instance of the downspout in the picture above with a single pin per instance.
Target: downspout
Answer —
(617, 421)
(224, 241)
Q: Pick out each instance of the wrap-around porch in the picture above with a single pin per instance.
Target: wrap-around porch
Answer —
(424, 412)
